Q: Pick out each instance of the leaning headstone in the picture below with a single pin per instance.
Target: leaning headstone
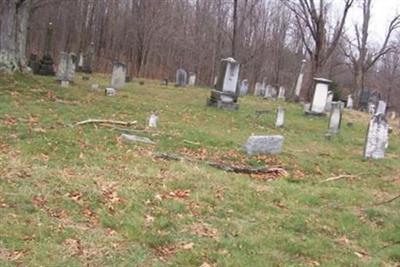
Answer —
(335, 118)
(381, 109)
(226, 93)
(318, 104)
(299, 81)
(46, 64)
(257, 89)
(192, 79)
(181, 77)
(244, 87)
(280, 117)
(329, 100)
(66, 68)
(153, 120)
(110, 91)
(350, 102)
(377, 137)
(264, 145)
(118, 75)
(281, 93)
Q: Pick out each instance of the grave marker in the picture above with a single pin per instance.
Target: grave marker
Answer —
(118, 75)
(377, 137)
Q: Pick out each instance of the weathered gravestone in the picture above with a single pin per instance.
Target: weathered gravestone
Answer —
(66, 68)
(329, 100)
(350, 102)
(281, 93)
(88, 60)
(244, 87)
(335, 118)
(181, 77)
(264, 145)
(299, 81)
(80, 62)
(257, 89)
(110, 91)
(225, 94)
(264, 86)
(377, 137)
(46, 64)
(371, 109)
(192, 79)
(381, 109)
(280, 117)
(318, 104)
(153, 120)
(268, 92)
(118, 75)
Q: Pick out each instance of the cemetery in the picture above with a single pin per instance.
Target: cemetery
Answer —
(105, 162)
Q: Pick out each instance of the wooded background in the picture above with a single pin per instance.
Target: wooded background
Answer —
(156, 37)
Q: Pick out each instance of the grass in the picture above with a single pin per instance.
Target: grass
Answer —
(76, 196)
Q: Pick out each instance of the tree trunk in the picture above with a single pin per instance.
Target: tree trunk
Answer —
(13, 33)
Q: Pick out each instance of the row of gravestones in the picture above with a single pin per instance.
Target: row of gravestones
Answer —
(182, 78)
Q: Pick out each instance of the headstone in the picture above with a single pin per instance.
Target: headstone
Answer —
(110, 91)
(226, 90)
(94, 87)
(192, 79)
(280, 117)
(381, 108)
(64, 83)
(335, 118)
(329, 99)
(244, 87)
(268, 92)
(118, 75)
(377, 137)
(371, 109)
(264, 145)
(281, 94)
(274, 92)
(80, 61)
(181, 77)
(350, 102)
(88, 60)
(264, 86)
(318, 104)
(46, 64)
(299, 82)
(215, 80)
(153, 120)
(257, 89)
(66, 67)
(393, 115)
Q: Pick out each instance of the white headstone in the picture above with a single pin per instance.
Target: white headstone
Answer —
(377, 138)
(257, 89)
(264, 145)
(244, 87)
(231, 76)
(94, 87)
(181, 77)
(269, 90)
(318, 104)
(350, 102)
(280, 117)
(371, 108)
(381, 108)
(66, 68)
(110, 91)
(153, 120)
(192, 79)
(118, 75)
(335, 118)
(281, 94)
(299, 82)
(329, 99)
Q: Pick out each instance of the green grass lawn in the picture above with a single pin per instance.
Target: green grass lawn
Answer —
(79, 196)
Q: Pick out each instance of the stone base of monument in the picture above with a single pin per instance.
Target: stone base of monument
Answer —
(224, 100)
(46, 66)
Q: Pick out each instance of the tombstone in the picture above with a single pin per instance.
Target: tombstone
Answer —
(268, 92)
(257, 89)
(329, 99)
(350, 102)
(377, 137)
(181, 77)
(46, 63)
(264, 145)
(371, 109)
(264, 86)
(88, 60)
(280, 117)
(381, 109)
(94, 87)
(80, 62)
(244, 87)
(110, 91)
(393, 115)
(215, 81)
(274, 92)
(153, 120)
(299, 81)
(118, 75)
(226, 92)
(318, 104)
(192, 79)
(335, 118)
(281, 93)
(66, 68)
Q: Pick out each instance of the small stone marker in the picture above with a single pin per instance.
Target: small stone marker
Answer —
(181, 77)
(110, 91)
(280, 117)
(88, 60)
(381, 108)
(192, 79)
(153, 120)
(94, 87)
(244, 87)
(118, 75)
(377, 137)
(329, 99)
(350, 102)
(136, 139)
(318, 104)
(335, 118)
(66, 69)
(257, 89)
(264, 86)
(264, 145)
(281, 94)
(393, 115)
(268, 93)
(64, 83)
(299, 82)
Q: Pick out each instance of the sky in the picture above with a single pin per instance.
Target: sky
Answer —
(383, 12)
